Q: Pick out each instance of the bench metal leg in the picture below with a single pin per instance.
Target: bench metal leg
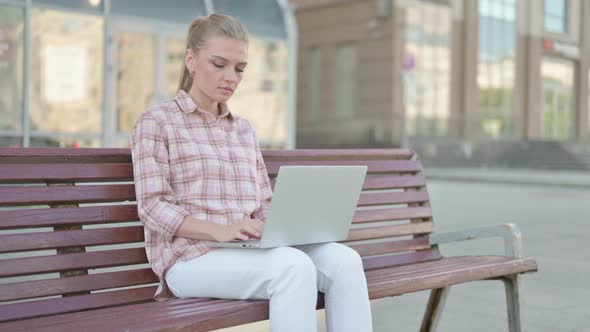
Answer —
(434, 309)
(513, 287)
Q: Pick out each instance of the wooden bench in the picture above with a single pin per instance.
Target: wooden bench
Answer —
(72, 247)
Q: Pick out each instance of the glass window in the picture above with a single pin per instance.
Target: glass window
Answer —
(88, 5)
(136, 67)
(426, 68)
(314, 85)
(261, 17)
(557, 115)
(496, 67)
(174, 65)
(180, 11)
(555, 15)
(11, 69)
(66, 82)
(262, 95)
(64, 142)
(345, 79)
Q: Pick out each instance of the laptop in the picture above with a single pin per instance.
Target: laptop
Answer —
(310, 204)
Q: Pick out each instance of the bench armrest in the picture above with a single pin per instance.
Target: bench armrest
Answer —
(509, 232)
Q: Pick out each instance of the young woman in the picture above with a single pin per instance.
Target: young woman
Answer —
(199, 175)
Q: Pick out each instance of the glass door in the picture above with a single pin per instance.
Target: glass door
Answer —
(557, 110)
(146, 61)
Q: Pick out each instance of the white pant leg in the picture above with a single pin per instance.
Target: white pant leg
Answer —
(341, 278)
(284, 275)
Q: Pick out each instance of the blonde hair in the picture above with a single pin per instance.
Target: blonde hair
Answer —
(204, 27)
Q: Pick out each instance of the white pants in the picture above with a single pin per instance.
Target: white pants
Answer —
(289, 277)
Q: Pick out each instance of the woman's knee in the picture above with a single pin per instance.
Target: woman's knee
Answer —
(288, 260)
(348, 260)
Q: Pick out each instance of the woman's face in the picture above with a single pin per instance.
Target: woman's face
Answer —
(218, 67)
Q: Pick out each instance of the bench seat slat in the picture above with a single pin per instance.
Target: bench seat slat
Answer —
(199, 315)
(49, 217)
(64, 239)
(486, 267)
(68, 262)
(41, 195)
(30, 173)
(90, 282)
(374, 166)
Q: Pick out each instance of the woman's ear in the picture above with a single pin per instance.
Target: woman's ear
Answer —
(189, 60)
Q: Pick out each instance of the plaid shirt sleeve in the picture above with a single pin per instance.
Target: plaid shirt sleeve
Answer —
(156, 201)
(265, 190)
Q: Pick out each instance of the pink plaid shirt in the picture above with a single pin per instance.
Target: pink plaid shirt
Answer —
(190, 162)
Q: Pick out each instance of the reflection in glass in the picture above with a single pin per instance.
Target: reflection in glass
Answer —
(136, 66)
(555, 15)
(426, 68)
(496, 67)
(64, 142)
(11, 69)
(558, 112)
(174, 65)
(314, 84)
(262, 95)
(10, 141)
(66, 83)
(345, 80)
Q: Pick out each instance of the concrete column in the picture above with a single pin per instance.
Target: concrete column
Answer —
(458, 53)
(532, 65)
(583, 118)
(470, 92)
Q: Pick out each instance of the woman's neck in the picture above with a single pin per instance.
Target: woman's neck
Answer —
(205, 104)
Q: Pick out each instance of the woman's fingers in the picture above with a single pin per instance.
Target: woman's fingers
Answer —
(241, 236)
(252, 230)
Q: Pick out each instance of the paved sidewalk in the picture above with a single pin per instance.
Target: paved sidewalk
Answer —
(571, 179)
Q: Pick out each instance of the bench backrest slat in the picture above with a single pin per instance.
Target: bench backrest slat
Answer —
(48, 217)
(90, 282)
(41, 191)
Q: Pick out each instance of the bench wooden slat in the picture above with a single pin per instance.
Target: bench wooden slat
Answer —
(379, 232)
(389, 247)
(90, 282)
(64, 239)
(68, 262)
(30, 173)
(75, 303)
(50, 217)
(369, 198)
(64, 156)
(179, 315)
(379, 262)
(374, 166)
(162, 315)
(362, 216)
(323, 154)
(422, 268)
(394, 181)
(487, 267)
(39, 195)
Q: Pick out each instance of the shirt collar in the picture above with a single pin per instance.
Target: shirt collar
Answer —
(188, 105)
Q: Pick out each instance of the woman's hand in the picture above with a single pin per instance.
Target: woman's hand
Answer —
(240, 230)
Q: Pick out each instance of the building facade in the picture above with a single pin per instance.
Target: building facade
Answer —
(79, 73)
(461, 81)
